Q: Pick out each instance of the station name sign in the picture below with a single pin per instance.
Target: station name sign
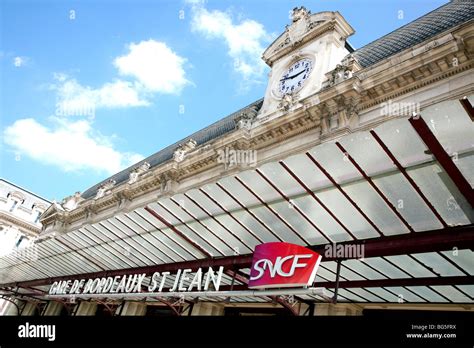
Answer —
(184, 281)
(274, 265)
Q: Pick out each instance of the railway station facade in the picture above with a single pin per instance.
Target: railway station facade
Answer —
(346, 188)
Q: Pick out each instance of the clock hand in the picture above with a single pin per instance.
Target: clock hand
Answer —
(293, 76)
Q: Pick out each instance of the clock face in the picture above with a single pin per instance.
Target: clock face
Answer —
(295, 76)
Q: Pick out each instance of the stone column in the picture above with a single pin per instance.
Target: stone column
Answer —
(132, 308)
(343, 309)
(29, 309)
(86, 308)
(206, 308)
(10, 308)
(54, 308)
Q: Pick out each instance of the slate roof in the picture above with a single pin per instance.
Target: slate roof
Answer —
(211, 132)
(443, 18)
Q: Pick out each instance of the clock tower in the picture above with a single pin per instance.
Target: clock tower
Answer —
(300, 59)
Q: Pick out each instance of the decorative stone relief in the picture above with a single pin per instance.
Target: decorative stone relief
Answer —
(71, 202)
(183, 149)
(246, 118)
(288, 102)
(104, 188)
(342, 72)
(137, 171)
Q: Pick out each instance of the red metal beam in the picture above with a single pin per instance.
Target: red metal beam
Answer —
(378, 283)
(468, 107)
(443, 158)
(402, 244)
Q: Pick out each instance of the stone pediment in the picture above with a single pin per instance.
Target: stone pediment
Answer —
(305, 27)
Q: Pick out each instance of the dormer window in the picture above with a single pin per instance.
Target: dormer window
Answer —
(15, 199)
(37, 211)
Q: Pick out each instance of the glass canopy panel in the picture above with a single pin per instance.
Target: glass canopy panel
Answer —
(427, 293)
(463, 258)
(375, 208)
(282, 179)
(216, 194)
(442, 193)
(331, 158)
(405, 294)
(253, 225)
(152, 254)
(409, 204)
(403, 142)
(196, 207)
(185, 249)
(299, 223)
(250, 240)
(98, 253)
(345, 272)
(115, 232)
(164, 214)
(386, 268)
(325, 222)
(306, 171)
(127, 250)
(166, 249)
(410, 266)
(452, 293)
(150, 218)
(361, 268)
(259, 186)
(350, 296)
(367, 153)
(335, 201)
(368, 294)
(451, 125)
(387, 295)
(276, 225)
(438, 264)
(465, 163)
(468, 289)
(208, 237)
(239, 192)
(323, 275)
(146, 225)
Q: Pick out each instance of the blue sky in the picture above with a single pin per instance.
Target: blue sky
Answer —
(91, 87)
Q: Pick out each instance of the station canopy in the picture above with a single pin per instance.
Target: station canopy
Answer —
(402, 192)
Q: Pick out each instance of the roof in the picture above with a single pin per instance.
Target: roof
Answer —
(202, 136)
(443, 18)
(429, 25)
(31, 198)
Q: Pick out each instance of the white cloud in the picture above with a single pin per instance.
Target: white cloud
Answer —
(19, 61)
(245, 40)
(154, 65)
(76, 99)
(71, 146)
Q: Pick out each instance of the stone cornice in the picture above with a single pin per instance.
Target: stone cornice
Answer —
(25, 226)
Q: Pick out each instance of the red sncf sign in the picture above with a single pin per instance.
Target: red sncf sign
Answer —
(278, 264)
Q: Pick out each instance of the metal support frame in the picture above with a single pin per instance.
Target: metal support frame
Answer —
(467, 107)
(442, 157)
(428, 241)
(336, 288)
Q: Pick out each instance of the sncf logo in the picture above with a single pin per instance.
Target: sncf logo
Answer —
(279, 264)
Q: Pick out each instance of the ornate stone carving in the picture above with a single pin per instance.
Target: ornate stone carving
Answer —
(246, 118)
(137, 171)
(288, 102)
(342, 72)
(183, 149)
(104, 188)
(71, 202)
